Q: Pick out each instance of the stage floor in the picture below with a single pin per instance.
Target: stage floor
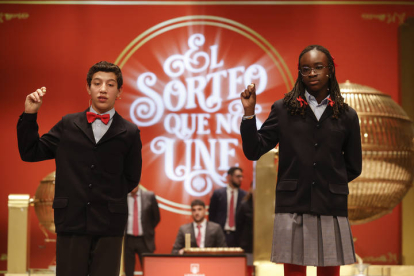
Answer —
(271, 269)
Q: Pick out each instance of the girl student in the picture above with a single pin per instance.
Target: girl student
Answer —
(319, 154)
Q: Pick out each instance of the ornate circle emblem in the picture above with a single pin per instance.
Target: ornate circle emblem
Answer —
(182, 84)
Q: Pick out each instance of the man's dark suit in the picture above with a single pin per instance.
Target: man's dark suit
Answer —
(214, 236)
(218, 206)
(150, 217)
(92, 179)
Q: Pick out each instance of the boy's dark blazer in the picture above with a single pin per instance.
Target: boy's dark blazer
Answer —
(92, 179)
(217, 211)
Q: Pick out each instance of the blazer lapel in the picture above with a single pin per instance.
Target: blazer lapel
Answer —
(310, 114)
(117, 127)
(239, 198)
(83, 125)
(326, 114)
(143, 208)
(207, 238)
(224, 200)
(193, 238)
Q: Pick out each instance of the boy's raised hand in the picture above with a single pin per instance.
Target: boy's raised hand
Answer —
(248, 99)
(34, 100)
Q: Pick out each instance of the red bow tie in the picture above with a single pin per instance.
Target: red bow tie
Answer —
(91, 117)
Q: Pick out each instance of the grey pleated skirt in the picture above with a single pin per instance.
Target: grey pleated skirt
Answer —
(312, 240)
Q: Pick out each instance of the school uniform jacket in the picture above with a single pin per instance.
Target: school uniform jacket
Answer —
(92, 179)
(317, 159)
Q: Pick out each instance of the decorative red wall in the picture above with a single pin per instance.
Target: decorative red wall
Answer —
(188, 112)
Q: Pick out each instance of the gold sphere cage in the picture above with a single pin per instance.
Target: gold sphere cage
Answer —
(387, 136)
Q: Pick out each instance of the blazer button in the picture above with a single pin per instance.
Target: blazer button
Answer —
(89, 204)
(313, 183)
(92, 167)
(90, 185)
(318, 126)
(314, 164)
(316, 145)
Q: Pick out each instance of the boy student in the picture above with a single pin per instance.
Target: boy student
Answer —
(98, 162)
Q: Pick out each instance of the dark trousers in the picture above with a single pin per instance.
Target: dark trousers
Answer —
(231, 239)
(84, 255)
(133, 245)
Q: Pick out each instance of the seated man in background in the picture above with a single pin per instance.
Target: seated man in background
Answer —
(203, 233)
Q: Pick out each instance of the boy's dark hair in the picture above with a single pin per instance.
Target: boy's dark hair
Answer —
(197, 202)
(104, 66)
(233, 169)
(290, 100)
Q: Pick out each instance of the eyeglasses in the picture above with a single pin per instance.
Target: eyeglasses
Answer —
(305, 71)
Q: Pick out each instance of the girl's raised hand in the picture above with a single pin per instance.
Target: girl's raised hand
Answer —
(248, 99)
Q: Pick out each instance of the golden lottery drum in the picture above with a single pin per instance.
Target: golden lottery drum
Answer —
(43, 201)
(387, 136)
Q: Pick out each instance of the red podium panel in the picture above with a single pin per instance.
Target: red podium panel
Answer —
(194, 265)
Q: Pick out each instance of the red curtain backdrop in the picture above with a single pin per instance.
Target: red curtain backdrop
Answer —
(184, 66)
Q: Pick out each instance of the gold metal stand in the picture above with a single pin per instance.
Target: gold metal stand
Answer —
(406, 60)
(18, 245)
(264, 204)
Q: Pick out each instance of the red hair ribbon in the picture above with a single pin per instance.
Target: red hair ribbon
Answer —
(330, 102)
(333, 60)
(301, 101)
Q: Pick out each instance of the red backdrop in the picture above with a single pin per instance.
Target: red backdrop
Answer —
(183, 66)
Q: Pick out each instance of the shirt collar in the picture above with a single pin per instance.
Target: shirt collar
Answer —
(230, 188)
(312, 99)
(203, 224)
(137, 194)
(110, 112)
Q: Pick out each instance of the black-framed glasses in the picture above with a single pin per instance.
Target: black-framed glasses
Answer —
(305, 71)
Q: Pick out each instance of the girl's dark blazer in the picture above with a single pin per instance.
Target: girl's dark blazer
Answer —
(317, 159)
(92, 179)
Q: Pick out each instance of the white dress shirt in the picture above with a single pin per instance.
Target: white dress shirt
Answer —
(317, 109)
(235, 194)
(98, 127)
(202, 230)
(131, 213)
